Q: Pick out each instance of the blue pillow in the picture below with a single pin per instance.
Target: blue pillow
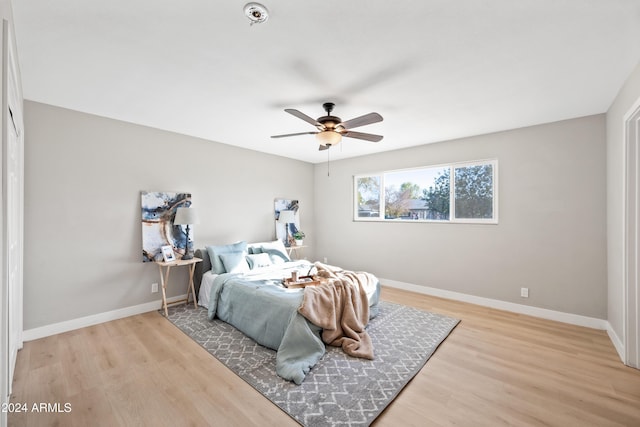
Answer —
(276, 250)
(215, 251)
(234, 262)
(254, 248)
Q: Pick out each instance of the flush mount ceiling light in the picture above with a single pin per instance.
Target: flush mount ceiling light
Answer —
(256, 13)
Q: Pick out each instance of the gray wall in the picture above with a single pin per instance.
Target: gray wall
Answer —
(83, 177)
(552, 220)
(627, 96)
(84, 174)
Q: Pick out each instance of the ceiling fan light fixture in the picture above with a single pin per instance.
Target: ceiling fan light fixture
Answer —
(329, 137)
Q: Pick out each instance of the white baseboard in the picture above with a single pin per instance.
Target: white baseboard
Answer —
(574, 319)
(94, 319)
(617, 342)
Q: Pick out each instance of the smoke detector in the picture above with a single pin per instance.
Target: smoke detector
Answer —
(256, 13)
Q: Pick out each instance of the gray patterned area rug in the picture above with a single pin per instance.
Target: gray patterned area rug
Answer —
(339, 390)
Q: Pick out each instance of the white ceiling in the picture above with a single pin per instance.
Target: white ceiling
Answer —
(434, 69)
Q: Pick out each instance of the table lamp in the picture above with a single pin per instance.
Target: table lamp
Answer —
(186, 216)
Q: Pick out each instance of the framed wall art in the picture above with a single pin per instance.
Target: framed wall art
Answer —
(158, 230)
(287, 219)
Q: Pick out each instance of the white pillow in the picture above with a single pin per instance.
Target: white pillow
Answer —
(258, 260)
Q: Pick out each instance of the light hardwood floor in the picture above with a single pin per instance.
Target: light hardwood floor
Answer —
(496, 368)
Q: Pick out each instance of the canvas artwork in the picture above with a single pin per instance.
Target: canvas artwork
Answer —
(158, 230)
(281, 231)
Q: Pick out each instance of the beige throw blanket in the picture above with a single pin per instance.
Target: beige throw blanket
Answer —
(341, 308)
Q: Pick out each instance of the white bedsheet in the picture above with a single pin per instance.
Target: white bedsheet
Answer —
(205, 288)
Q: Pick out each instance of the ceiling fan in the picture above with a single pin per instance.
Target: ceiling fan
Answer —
(331, 129)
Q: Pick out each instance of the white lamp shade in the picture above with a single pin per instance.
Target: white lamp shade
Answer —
(186, 216)
(328, 137)
(287, 217)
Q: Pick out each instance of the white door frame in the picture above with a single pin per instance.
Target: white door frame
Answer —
(4, 305)
(14, 162)
(631, 237)
(11, 216)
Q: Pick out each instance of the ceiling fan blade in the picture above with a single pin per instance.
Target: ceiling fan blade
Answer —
(302, 116)
(361, 135)
(362, 120)
(293, 134)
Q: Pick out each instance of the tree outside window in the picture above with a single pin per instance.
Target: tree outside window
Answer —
(474, 191)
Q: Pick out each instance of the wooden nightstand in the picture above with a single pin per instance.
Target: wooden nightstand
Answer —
(295, 251)
(164, 280)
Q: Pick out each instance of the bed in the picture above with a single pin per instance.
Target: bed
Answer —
(242, 284)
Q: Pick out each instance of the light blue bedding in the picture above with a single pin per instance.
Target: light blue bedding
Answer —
(257, 304)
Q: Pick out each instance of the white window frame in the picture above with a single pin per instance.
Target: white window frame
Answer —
(452, 220)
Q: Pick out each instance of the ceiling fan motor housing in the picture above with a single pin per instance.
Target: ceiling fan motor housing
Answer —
(330, 122)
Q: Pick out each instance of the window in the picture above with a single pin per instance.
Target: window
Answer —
(429, 194)
(368, 196)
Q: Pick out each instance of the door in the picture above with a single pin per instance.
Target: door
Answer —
(632, 238)
(12, 211)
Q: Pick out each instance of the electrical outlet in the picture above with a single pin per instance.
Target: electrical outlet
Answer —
(154, 288)
(325, 260)
(524, 292)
